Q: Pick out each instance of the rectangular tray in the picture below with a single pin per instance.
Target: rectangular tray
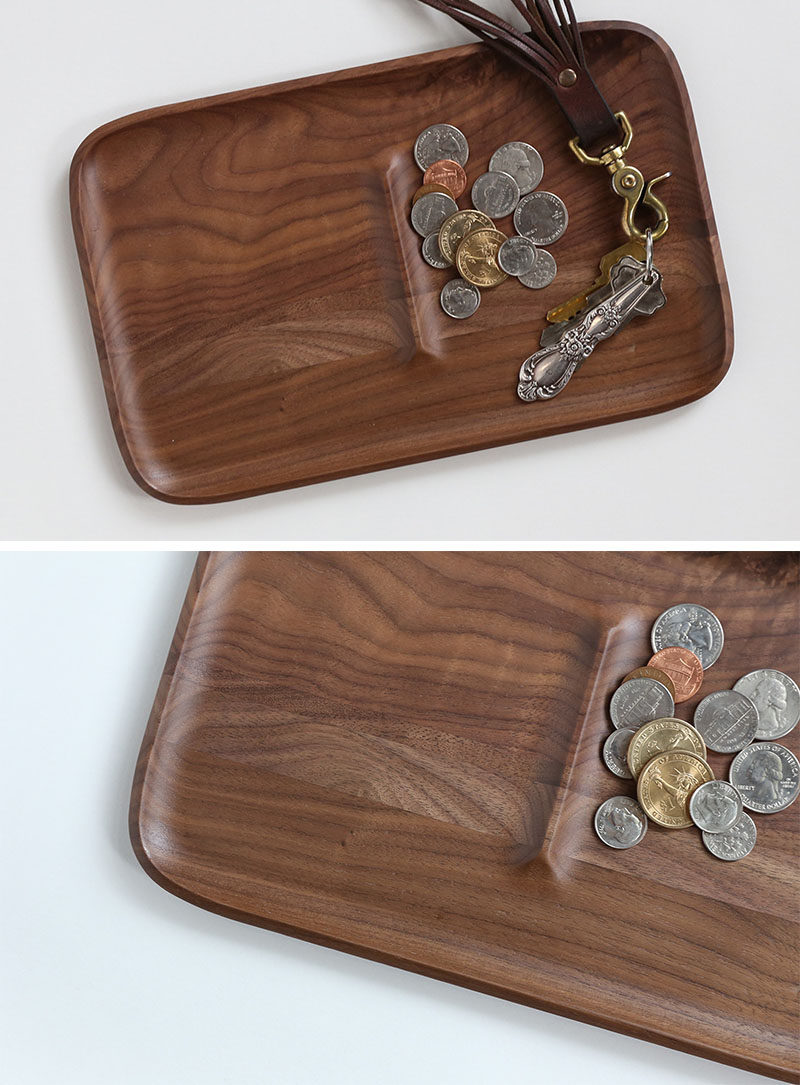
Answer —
(399, 755)
(263, 315)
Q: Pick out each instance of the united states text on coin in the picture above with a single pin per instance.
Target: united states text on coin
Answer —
(433, 254)
(689, 625)
(476, 258)
(715, 807)
(542, 273)
(684, 669)
(542, 217)
(426, 190)
(438, 142)
(449, 173)
(666, 784)
(640, 701)
(522, 162)
(727, 720)
(460, 299)
(655, 673)
(496, 194)
(777, 699)
(455, 229)
(615, 752)
(735, 843)
(428, 213)
(620, 822)
(517, 256)
(767, 776)
(661, 736)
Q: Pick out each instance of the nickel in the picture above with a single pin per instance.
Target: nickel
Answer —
(653, 672)
(767, 776)
(496, 194)
(727, 720)
(735, 843)
(640, 701)
(431, 211)
(620, 822)
(777, 699)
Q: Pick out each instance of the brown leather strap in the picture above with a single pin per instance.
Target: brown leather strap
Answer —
(552, 50)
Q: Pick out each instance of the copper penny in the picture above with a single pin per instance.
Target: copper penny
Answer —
(426, 190)
(448, 173)
(652, 672)
(683, 667)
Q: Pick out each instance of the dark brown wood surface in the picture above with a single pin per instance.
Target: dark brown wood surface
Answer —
(263, 315)
(399, 755)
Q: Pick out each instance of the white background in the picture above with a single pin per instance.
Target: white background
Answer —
(67, 68)
(106, 979)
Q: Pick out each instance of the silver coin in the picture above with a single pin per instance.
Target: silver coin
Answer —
(735, 842)
(620, 822)
(433, 254)
(691, 626)
(517, 256)
(639, 701)
(429, 212)
(460, 299)
(495, 194)
(727, 720)
(438, 142)
(542, 273)
(777, 699)
(522, 162)
(542, 217)
(615, 752)
(715, 806)
(767, 776)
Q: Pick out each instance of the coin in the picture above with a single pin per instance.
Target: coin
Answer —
(715, 807)
(542, 273)
(661, 736)
(460, 299)
(655, 673)
(542, 217)
(426, 190)
(615, 752)
(476, 258)
(620, 822)
(496, 194)
(777, 699)
(640, 701)
(448, 173)
(767, 776)
(666, 784)
(517, 256)
(456, 228)
(727, 720)
(735, 843)
(433, 254)
(438, 142)
(691, 626)
(429, 212)
(684, 669)
(522, 162)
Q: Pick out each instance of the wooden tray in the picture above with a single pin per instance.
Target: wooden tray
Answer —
(398, 755)
(263, 315)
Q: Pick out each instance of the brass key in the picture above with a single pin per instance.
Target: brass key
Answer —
(571, 308)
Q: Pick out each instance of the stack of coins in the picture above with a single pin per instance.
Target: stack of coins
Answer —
(468, 239)
(666, 756)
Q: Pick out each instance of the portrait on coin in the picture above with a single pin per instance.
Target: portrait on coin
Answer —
(715, 807)
(765, 772)
(625, 825)
(770, 698)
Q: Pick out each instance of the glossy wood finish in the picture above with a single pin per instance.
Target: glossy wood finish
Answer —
(399, 755)
(263, 315)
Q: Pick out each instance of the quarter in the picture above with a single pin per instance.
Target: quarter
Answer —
(777, 698)
(620, 822)
(476, 258)
(656, 674)
(767, 776)
(715, 807)
(684, 669)
(522, 161)
(496, 194)
(727, 720)
(661, 736)
(542, 217)
(429, 212)
(689, 625)
(735, 843)
(425, 190)
(666, 784)
(640, 701)
(438, 142)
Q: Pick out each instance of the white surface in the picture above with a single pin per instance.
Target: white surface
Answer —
(67, 68)
(109, 980)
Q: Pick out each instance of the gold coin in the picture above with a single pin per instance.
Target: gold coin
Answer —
(666, 784)
(456, 228)
(652, 672)
(476, 258)
(425, 190)
(662, 736)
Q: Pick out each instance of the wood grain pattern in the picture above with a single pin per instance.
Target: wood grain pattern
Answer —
(264, 318)
(399, 755)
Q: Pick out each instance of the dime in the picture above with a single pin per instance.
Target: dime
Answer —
(620, 822)
(517, 256)
(425, 190)
(640, 701)
(734, 844)
(456, 228)
(684, 669)
(666, 784)
(460, 299)
(655, 673)
(476, 258)
(542, 217)
(767, 776)
(433, 254)
(522, 162)
(429, 212)
(661, 736)
(438, 142)
(615, 752)
(715, 807)
(727, 720)
(448, 173)
(777, 699)
(496, 194)
(542, 273)
(691, 626)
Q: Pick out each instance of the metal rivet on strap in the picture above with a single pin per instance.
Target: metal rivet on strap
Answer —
(568, 77)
